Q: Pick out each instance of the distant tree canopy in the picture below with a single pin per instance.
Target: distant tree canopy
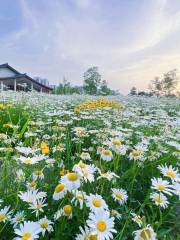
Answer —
(65, 88)
(133, 91)
(93, 84)
(166, 85)
(92, 80)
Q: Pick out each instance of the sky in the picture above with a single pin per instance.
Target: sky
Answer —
(131, 41)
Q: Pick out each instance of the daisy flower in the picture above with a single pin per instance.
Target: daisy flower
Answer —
(65, 211)
(137, 219)
(31, 185)
(50, 162)
(96, 202)
(101, 224)
(136, 154)
(41, 195)
(28, 231)
(79, 166)
(85, 156)
(58, 148)
(106, 155)
(116, 214)
(107, 175)
(29, 196)
(28, 160)
(159, 199)
(45, 225)
(99, 150)
(59, 191)
(161, 185)
(20, 175)
(146, 233)
(38, 174)
(18, 218)
(176, 188)
(26, 150)
(116, 145)
(119, 195)
(85, 234)
(71, 181)
(170, 172)
(5, 214)
(85, 171)
(37, 206)
(78, 198)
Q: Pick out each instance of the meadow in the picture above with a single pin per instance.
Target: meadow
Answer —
(89, 168)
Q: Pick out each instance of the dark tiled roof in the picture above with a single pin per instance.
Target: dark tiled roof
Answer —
(8, 66)
(21, 75)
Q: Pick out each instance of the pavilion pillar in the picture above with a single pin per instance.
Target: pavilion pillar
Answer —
(32, 87)
(1, 86)
(15, 85)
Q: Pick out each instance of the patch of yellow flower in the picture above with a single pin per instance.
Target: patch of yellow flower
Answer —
(95, 104)
(4, 106)
(44, 148)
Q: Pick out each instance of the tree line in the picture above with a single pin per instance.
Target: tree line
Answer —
(92, 85)
(164, 86)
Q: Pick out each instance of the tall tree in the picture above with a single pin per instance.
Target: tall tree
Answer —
(133, 91)
(166, 85)
(170, 81)
(92, 80)
(156, 86)
(104, 89)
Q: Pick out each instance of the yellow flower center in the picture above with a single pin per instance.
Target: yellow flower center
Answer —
(59, 187)
(38, 172)
(105, 174)
(44, 225)
(119, 195)
(158, 200)
(116, 142)
(97, 203)
(26, 236)
(136, 153)
(85, 174)
(101, 226)
(79, 196)
(33, 184)
(72, 177)
(145, 234)
(161, 187)
(68, 209)
(38, 206)
(58, 148)
(27, 161)
(93, 237)
(114, 213)
(2, 216)
(106, 152)
(19, 218)
(63, 172)
(170, 173)
(82, 165)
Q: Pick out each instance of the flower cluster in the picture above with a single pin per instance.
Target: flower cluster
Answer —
(89, 175)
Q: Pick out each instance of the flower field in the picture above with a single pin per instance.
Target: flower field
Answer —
(86, 168)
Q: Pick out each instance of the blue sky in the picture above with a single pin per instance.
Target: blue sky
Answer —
(131, 41)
